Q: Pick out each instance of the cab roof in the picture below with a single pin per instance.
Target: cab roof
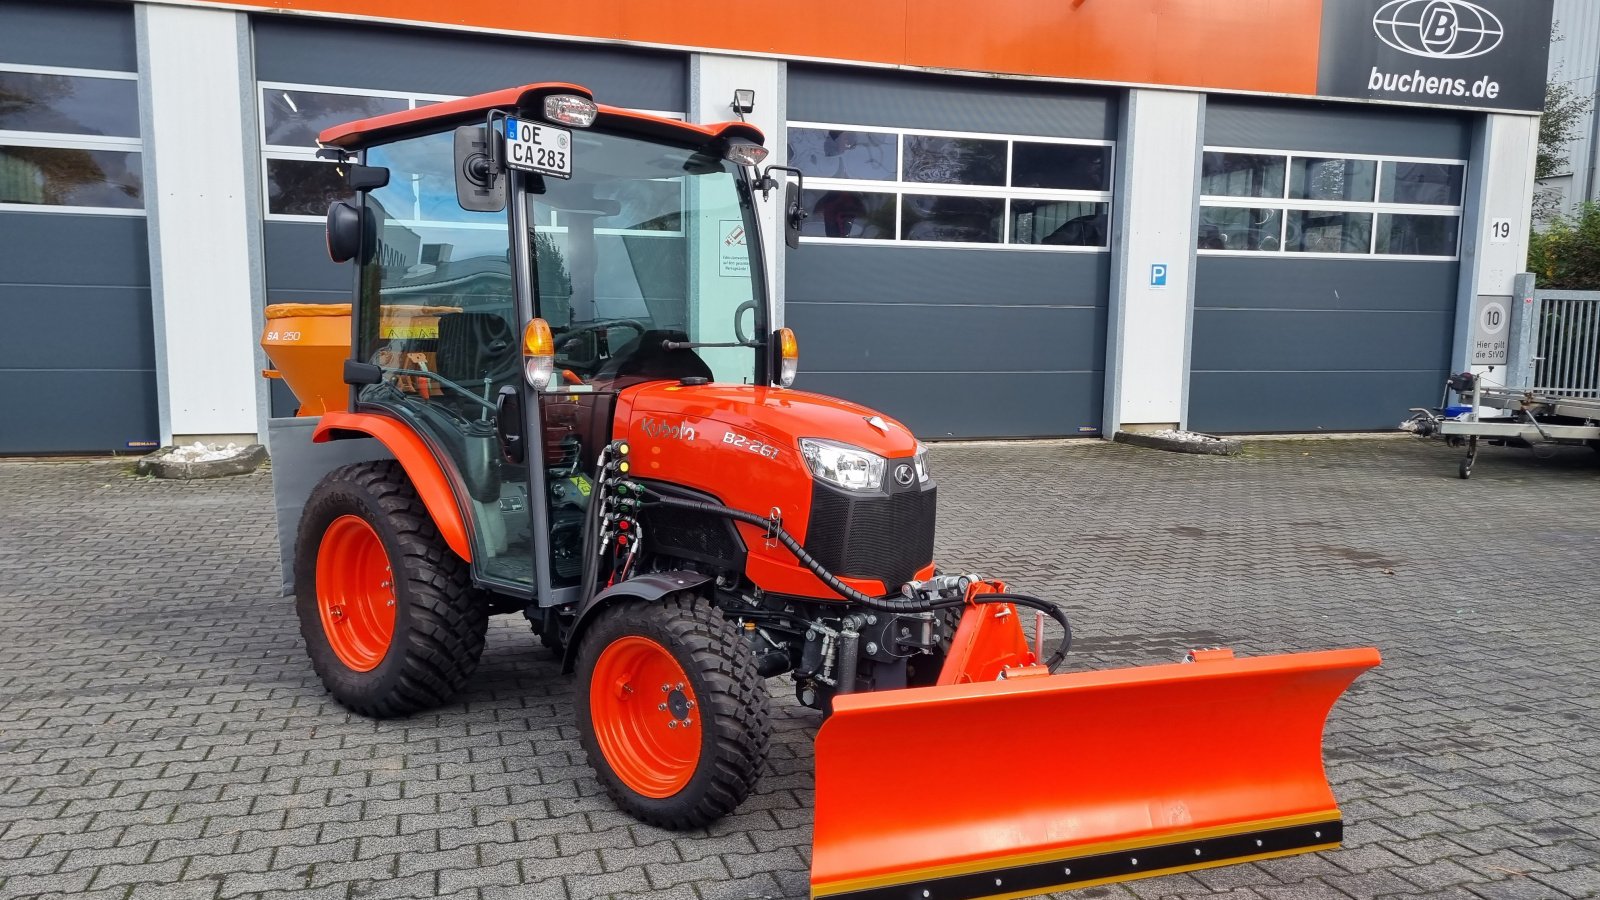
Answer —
(530, 97)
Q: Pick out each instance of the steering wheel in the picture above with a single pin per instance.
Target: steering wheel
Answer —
(568, 334)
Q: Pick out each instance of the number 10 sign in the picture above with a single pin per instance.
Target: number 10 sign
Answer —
(1491, 329)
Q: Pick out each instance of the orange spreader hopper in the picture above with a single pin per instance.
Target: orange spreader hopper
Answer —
(1126, 773)
(309, 342)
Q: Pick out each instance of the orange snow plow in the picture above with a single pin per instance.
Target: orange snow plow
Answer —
(1135, 772)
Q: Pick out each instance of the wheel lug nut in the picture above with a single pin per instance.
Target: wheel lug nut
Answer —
(666, 689)
(690, 704)
(662, 707)
(687, 722)
(673, 724)
(680, 685)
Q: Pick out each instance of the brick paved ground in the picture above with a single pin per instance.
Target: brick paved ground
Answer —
(161, 735)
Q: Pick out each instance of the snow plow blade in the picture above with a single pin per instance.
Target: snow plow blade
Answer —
(1035, 784)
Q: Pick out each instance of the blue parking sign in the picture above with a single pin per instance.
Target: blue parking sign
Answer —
(1158, 275)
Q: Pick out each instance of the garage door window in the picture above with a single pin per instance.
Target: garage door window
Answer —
(1351, 180)
(912, 186)
(1418, 182)
(69, 141)
(298, 185)
(1329, 205)
(1242, 175)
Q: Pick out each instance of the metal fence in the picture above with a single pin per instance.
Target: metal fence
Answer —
(1568, 359)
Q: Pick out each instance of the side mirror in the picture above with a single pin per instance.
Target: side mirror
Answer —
(794, 215)
(352, 233)
(478, 185)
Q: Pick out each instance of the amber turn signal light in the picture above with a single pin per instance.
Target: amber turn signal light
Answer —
(788, 357)
(538, 354)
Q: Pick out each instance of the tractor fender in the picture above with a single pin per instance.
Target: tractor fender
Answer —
(649, 588)
(420, 463)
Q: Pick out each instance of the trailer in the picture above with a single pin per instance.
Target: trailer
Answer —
(1521, 418)
(1535, 376)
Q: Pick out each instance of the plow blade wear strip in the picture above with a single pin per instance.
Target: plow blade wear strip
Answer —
(1020, 787)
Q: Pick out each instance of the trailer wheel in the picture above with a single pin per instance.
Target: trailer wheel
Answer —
(388, 612)
(671, 710)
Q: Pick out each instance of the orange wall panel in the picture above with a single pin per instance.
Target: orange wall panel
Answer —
(1256, 45)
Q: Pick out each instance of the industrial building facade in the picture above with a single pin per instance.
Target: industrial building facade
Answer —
(1226, 216)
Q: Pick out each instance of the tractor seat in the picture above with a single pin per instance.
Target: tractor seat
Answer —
(476, 345)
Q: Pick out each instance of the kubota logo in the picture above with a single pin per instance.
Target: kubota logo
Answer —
(1438, 29)
(658, 428)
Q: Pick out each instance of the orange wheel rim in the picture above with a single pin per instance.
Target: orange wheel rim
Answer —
(355, 593)
(645, 716)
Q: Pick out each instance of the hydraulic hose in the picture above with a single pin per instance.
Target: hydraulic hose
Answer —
(1044, 606)
(880, 604)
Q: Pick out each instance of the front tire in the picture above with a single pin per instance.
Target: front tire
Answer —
(389, 616)
(671, 710)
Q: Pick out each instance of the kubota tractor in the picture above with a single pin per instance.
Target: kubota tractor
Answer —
(563, 350)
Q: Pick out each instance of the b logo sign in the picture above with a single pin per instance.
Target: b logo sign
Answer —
(1438, 29)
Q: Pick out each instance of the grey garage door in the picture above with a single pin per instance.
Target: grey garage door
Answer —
(1327, 276)
(313, 74)
(954, 269)
(76, 351)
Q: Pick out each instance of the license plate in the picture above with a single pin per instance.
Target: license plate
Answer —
(534, 147)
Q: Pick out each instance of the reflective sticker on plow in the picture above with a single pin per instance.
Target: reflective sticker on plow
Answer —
(1023, 879)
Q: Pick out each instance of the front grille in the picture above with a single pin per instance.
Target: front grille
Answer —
(883, 537)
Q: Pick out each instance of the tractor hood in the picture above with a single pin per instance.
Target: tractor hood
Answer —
(778, 416)
(739, 445)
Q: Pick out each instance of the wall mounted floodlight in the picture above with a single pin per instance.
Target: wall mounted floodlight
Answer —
(744, 101)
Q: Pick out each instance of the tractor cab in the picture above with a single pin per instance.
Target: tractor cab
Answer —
(524, 257)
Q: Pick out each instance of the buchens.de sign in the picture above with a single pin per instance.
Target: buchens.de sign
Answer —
(1470, 53)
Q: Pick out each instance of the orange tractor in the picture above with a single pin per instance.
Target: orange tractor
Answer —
(562, 339)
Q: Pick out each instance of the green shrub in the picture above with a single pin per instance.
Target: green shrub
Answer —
(1566, 256)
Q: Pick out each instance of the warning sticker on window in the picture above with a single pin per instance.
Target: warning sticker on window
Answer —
(735, 254)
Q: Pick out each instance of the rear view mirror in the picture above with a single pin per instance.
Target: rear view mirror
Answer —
(351, 231)
(366, 178)
(478, 185)
(794, 215)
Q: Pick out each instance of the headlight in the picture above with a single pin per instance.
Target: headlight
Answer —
(851, 468)
(922, 464)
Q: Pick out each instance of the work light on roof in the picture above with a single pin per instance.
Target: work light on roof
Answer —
(745, 153)
(570, 109)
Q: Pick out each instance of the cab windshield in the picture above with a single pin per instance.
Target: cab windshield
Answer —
(645, 245)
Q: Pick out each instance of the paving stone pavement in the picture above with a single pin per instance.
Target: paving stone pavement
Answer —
(162, 736)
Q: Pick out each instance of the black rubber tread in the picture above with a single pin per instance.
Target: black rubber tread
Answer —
(441, 619)
(732, 702)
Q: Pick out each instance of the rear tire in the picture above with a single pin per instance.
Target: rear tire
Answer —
(389, 616)
(644, 670)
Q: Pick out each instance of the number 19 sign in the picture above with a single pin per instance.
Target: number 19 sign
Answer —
(533, 147)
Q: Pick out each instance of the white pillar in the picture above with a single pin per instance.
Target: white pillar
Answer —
(195, 85)
(1499, 191)
(1156, 211)
(712, 80)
